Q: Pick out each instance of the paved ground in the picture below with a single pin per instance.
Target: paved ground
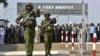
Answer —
(55, 46)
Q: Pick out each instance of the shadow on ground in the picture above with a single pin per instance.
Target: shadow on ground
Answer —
(8, 48)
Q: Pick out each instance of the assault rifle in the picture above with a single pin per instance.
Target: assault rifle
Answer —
(48, 23)
(28, 16)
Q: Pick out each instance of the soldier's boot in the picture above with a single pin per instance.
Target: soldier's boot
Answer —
(29, 54)
(46, 54)
(49, 53)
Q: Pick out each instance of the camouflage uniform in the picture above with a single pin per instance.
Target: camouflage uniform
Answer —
(29, 28)
(48, 32)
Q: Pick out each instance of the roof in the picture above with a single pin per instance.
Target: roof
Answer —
(4, 20)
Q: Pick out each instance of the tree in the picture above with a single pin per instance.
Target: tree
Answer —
(4, 3)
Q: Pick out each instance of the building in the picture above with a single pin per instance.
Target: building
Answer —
(4, 22)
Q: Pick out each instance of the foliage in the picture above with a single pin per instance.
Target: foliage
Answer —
(4, 3)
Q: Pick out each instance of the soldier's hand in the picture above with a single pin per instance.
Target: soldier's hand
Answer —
(42, 26)
(21, 23)
(54, 18)
(38, 10)
(51, 19)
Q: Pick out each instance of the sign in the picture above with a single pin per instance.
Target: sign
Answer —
(56, 8)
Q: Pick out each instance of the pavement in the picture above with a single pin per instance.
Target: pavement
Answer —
(58, 49)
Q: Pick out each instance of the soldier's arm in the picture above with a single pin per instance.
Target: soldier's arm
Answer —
(53, 21)
(18, 18)
(42, 24)
(37, 13)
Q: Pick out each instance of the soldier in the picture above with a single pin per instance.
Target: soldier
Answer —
(48, 32)
(29, 26)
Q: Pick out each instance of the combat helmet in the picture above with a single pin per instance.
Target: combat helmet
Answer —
(47, 13)
(29, 4)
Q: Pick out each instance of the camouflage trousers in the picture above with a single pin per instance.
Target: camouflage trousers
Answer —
(29, 41)
(48, 41)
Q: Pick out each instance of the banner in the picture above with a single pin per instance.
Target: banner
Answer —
(56, 8)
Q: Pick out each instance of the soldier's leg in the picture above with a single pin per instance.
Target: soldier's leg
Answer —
(50, 42)
(29, 42)
(32, 35)
(46, 43)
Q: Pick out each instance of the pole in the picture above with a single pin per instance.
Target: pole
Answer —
(57, 17)
(80, 47)
(62, 34)
(87, 19)
(94, 44)
(68, 18)
(87, 33)
(83, 41)
(72, 40)
(66, 38)
(68, 15)
(83, 12)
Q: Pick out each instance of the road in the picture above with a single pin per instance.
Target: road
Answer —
(58, 49)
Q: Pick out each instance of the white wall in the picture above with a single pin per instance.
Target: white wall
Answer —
(3, 23)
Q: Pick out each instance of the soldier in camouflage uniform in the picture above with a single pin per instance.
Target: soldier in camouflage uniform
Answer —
(48, 32)
(29, 27)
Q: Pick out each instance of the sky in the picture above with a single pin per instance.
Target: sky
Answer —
(93, 11)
